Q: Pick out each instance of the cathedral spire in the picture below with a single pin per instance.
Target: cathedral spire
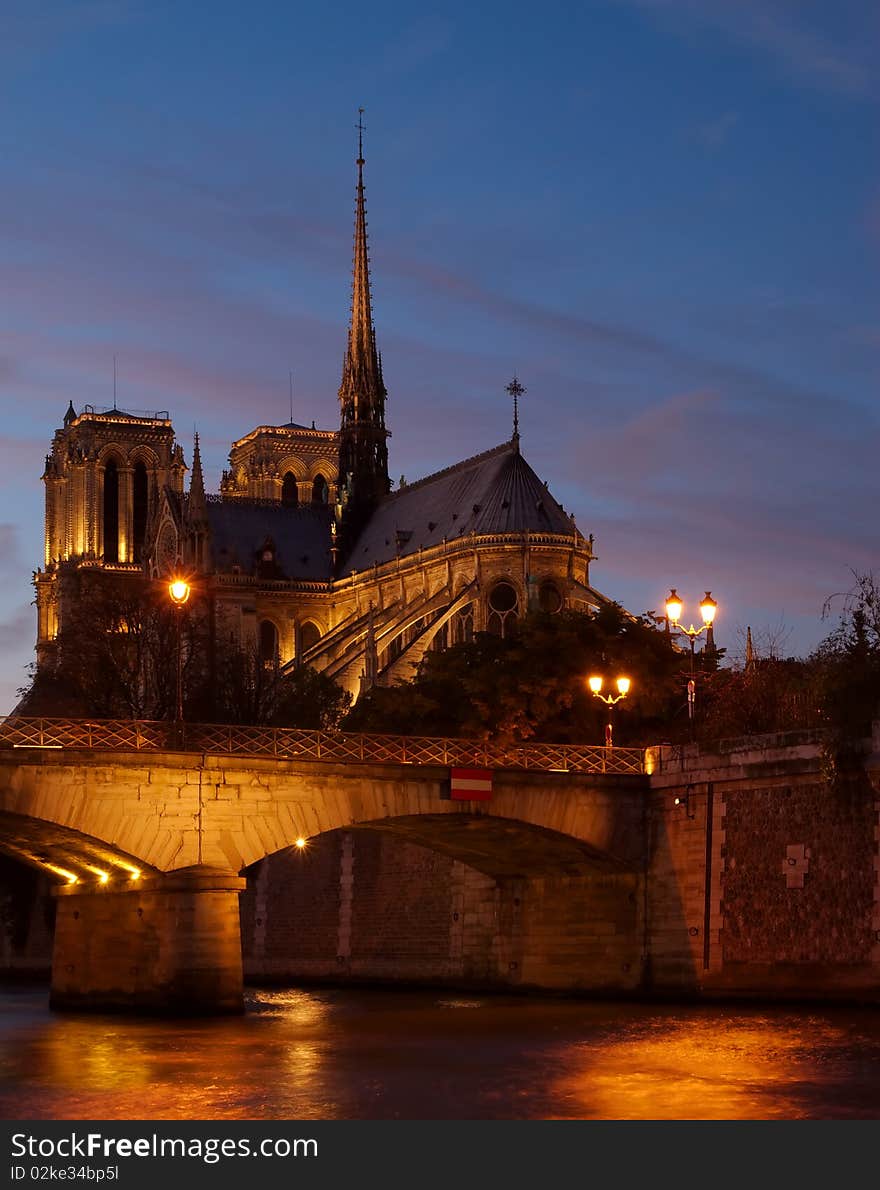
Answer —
(197, 502)
(750, 651)
(363, 451)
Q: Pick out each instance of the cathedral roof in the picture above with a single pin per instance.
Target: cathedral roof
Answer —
(239, 530)
(496, 492)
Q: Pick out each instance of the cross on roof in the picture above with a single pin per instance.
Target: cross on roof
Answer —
(516, 390)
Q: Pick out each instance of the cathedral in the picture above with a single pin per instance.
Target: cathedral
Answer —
(306, 553)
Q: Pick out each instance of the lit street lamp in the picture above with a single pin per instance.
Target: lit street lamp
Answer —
(179, 592)
(708, 608)
(623, 685)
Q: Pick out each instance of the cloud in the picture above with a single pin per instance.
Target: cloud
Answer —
(838, 60)
(18, 627)
(692, 492)
(33, 27)
(713, 134)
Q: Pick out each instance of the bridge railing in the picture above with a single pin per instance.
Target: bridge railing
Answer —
(288, 743)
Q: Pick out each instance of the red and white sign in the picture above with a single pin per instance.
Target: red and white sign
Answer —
(470, 785)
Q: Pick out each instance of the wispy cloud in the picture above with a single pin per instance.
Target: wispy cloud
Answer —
(796, 36)
(713, 134)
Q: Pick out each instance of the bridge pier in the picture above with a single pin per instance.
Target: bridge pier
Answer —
(169, 943)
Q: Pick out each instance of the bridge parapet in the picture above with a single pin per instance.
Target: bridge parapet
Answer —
(286, 743)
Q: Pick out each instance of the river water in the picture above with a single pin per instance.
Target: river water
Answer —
(305, 1054)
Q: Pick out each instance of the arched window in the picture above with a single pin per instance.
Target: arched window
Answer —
(309, 635)
(140, 498)
(320, 490)
(463, 625)
(111, 512)
(289, 494)
(549, 599)
(268, 644)
(502, 610)
(441, 639)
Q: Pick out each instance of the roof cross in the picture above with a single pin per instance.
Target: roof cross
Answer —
(516, 390)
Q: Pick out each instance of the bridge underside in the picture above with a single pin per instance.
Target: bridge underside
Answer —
(500, 847)
(65, 855)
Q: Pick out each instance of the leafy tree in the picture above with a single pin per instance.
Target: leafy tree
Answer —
(115, 654)
(245, 689)
(532, 685)
(116, 658)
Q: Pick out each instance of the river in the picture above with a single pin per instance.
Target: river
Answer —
(306, 1054)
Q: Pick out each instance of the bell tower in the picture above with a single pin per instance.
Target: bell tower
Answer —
(103, 477)
(363, 449)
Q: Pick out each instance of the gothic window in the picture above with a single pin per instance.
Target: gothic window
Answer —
(310, 634)
(139, 510)
(320, 490)
(167, 551)
(289, 495)
(502, 610)
(268, 644)
(441, 639)
(463, 625)
(549, 599)
(111, 512)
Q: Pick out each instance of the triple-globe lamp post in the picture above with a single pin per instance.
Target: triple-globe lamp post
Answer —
(708, 608)
(623, 687)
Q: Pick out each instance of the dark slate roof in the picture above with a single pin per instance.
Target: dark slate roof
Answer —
(494, 492)
(301, 537)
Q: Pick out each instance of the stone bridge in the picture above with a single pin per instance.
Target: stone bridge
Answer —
(732, 871)
(148, 843)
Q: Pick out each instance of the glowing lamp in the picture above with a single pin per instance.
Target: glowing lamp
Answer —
(595, 684)
(708, 607)
(179, 591)
(674, 606)
(623, 685)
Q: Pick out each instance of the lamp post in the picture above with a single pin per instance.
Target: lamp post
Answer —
(708, 608)
(179, 592)
(623, 685)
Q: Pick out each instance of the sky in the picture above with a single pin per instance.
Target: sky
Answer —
(663, 215)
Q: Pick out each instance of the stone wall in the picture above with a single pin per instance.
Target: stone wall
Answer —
(763, 877)
(363, 905)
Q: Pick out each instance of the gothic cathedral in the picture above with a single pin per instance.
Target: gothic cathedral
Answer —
(306, 553)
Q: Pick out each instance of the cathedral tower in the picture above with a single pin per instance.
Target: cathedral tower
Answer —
(103, 477)
(363, 450)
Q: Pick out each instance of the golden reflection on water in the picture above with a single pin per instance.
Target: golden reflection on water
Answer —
(703, 1069)
(360, 1054)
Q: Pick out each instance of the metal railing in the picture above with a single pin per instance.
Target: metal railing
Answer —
(288, 743)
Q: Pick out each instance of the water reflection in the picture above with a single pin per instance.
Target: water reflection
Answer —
(356, 1054)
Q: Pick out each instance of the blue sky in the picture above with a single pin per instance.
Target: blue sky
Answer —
(663, 214)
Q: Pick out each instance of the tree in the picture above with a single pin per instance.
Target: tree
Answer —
(847, 675)
(532, 685)
(116, 658)
(115, 654)
(247, 689)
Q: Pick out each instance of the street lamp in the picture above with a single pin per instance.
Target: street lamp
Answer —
(179, 592)
(623, 684)
(708, 608)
